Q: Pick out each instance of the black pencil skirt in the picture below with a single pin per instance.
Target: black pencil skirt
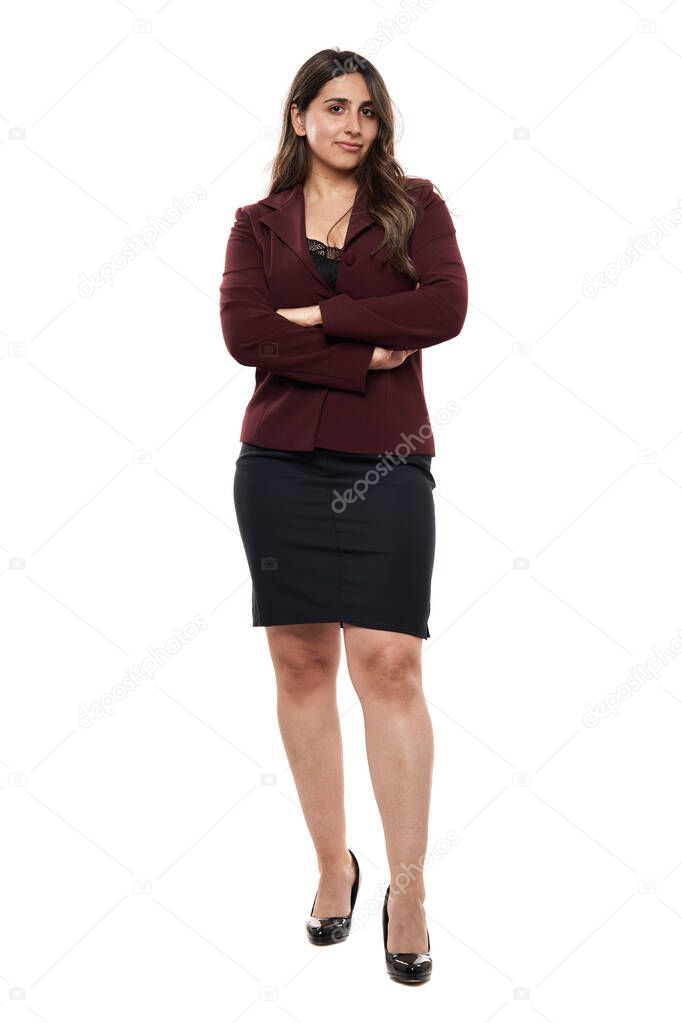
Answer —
(334, 536)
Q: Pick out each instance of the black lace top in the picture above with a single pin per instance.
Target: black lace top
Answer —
(326, 259)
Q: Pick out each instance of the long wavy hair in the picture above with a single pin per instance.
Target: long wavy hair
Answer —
(387, 187)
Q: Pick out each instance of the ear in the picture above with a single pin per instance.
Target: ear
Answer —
(297, 119)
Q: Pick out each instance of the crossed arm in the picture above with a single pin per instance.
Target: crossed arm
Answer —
(431, 313)
(256, 335)
(296, 343)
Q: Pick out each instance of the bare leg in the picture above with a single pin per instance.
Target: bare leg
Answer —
(385, 668)
(306, 662)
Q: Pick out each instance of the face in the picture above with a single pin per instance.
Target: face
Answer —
(342, 112)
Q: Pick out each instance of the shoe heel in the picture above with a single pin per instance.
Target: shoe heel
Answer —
(406, 967)
(330, 930)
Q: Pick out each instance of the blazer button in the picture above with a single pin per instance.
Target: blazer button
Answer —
(350, 259)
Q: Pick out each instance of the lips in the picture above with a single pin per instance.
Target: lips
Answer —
(349, 146)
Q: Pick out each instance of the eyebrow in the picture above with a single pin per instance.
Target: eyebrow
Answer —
(344, 99)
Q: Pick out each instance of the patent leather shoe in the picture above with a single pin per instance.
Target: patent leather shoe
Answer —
(406, 967)
(330, 930)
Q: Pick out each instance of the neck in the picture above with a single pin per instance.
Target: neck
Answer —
(324, 185)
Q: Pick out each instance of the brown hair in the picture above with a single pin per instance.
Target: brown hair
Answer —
(388, 201)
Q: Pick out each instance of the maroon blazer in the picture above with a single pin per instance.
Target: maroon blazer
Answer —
(313, 386)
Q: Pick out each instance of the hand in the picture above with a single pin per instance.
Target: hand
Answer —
(302, 316)
(387, 358)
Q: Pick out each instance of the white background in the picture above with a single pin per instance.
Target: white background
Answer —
(155, 863)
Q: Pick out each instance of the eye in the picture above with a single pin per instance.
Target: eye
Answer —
(366, 110)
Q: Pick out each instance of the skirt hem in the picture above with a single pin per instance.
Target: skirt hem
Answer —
(382, 627)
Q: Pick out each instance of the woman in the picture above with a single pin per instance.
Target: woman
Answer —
(333, 284)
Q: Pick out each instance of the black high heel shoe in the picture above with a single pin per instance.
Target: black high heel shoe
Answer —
(330, 930)
(406, 967)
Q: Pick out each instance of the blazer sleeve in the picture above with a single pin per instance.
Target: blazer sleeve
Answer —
(423, 316)
(255, 335)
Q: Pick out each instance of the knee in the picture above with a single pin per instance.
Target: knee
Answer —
(302, 674)
(388, 674)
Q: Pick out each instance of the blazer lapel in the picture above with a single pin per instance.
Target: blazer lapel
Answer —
(285, 216)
